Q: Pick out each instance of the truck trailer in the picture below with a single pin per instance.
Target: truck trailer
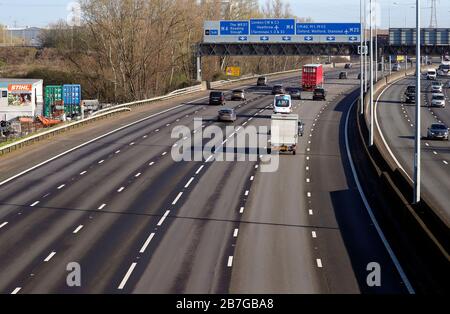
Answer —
(284, 130)
(312, 76)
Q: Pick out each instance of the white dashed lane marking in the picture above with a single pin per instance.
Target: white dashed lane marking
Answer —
(49, 257)
(101, 206)
(319, 262)
(15, 291)
(78, 229)
(189, 183)
(230, 261)
(34, 204)
(3, 224)
(146, 243)
(127, 275)
(161, 221)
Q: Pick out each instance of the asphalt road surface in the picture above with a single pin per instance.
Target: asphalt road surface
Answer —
(136, 221)
(397, 122)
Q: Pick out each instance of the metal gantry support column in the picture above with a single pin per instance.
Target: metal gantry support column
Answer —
(371, 73)
(418, 95)
(365, 44)
(376, 42)
(390, 65)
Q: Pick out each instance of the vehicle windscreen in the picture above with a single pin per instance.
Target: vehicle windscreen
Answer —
(411, 89)
(282, 102)
(438, 127)
(216, 94)
(439, 97)
(226, 111)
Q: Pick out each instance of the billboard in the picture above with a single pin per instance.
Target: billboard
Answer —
(20, 95)
(233, 71)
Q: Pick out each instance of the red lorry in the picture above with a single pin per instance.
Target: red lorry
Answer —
(312, 76)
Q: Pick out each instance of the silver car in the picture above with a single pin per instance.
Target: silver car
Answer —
(436, 87)
(227, 114)
(438, 131)
(438, 100)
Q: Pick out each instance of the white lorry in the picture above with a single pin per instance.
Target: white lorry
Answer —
(285, 130)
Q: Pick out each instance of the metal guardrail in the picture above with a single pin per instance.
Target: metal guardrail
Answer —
(119, 108)
(55, 130)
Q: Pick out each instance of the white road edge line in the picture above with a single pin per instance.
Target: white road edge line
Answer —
(127, 275)
(369, 209)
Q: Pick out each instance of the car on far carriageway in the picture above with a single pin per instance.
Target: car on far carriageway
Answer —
(238, 94)
(436, 87)
(277, 89)
(262, 81)
(343, 75)
(227, 114)
(348, 66)
(438, 100)
(438, 131)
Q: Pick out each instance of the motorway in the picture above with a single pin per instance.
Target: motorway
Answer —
(396, 120)
(136, 221)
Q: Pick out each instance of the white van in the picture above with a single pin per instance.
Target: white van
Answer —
(431, 74)
(282, 104)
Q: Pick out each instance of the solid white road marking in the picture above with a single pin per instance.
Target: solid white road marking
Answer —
(15, 291)
(230, 261)
(319, 263)
(177, 198)
(146, 243)
(78, 229)
(189, 183)
(34, 204)
(101, 206)
(161, 221)
(49, 257)
(3, 224)
(127, 275)
(235, 233)
(61, 186)
(199, 169)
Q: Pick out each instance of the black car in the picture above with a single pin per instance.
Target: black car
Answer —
(359, 76)
(295, 92)
(277, 90)
(319, 93)
(217, 98)
(348, 65)
(410, 94)
(343, 76)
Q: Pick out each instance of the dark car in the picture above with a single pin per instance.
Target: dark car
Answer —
(348, 65)
(217, 98)
(343, 76)
(319, 93)
(295, 92)
(301, 128)
(277, 90)
(410, 94)
(359, 76)
(238, 94)
(262, 81)
(438, 131)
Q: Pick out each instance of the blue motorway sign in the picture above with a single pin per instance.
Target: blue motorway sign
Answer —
(272, 27)
(350, 29)
(234, 28)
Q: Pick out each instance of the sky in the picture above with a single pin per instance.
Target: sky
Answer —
(40, 13)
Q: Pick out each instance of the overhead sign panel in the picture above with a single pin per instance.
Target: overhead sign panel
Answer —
(267, 31)
(348, 29)
(272, 27)
(234, 28)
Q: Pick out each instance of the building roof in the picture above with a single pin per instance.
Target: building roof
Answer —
(20, 81)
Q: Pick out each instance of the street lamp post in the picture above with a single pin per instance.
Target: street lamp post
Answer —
(418, 94)
(361, 58)
(371, 73)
